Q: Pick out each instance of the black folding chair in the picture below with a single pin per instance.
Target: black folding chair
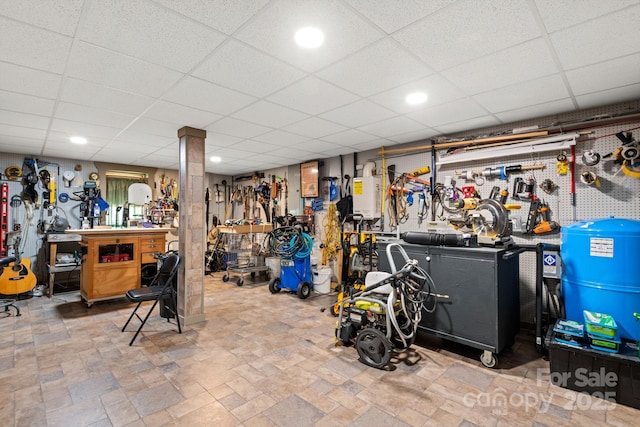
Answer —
(163, 289)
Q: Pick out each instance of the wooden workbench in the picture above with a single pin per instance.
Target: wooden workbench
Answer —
(112, 259)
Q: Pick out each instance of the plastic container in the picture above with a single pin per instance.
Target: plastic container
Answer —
(273, 263)
(322, 280)
(569, 332)
(600, 325)
(611, 345)
(598, 257)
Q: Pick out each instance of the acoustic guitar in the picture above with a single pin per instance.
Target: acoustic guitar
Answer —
(17, 277)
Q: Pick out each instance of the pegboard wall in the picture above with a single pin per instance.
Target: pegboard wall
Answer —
(29, 220)
(613, 193)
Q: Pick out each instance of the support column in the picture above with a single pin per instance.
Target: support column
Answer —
(192, 229)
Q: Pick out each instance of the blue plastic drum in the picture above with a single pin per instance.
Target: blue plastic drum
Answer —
(600, 271)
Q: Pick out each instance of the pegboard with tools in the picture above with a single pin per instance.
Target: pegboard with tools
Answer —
(588, 169)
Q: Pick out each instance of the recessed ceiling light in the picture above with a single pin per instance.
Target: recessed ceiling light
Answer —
(78, 140)
(309, 37)
(215, 159)
(416, 98)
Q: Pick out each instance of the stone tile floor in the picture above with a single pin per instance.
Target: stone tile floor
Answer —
(261, 360)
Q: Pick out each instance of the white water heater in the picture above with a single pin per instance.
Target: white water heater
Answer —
(367, 196)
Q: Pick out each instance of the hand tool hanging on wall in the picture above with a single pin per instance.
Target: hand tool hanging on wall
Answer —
(207, 199)
(501, 172)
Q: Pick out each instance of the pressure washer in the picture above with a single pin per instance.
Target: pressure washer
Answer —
(383, 318)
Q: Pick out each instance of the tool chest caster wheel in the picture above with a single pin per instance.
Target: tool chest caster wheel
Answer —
(488, 359)
(225, 278)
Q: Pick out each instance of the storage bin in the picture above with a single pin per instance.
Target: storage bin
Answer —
(599, 324)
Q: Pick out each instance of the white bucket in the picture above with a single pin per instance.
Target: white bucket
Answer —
(273, 263)
(322, 280)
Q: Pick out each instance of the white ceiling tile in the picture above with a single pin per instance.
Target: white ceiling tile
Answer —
(62, 140)
(273, 31)
(316, 146)
(338, 151)
(438, 89)
(70, 153)
(349, 137)
(155, 127)
(238, 128)
(546, 109)
(461, 109)
(214, 139)
(269, 114)
(562, 14)
(254, 146)
(29, 81)
(523, 94)
(314, 127)
(606, 75)
(103, 97)
(223, 15)
(313, 96)
(595, 41)
(245, 69)
(24, 120)
(372, 145)
(59, 147)
(83, 129)
(119, 146)
(475, 123)
(25, 45)
(82, 113)
(376, 68)
(611, 96)
(112, 69)
(393, 126)
(149, 32)
(229, 153)
(180, 115)
(292, 153)
(60, 16)
(146, 139)
(11, 144)
(280, 137)
(207, 96)
(21, 131)
(526, 61)
(393, 15)
(414, 136)
(25, 103)
(358, 114)
(467, 30)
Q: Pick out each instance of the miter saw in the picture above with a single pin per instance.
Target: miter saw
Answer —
(488, 219)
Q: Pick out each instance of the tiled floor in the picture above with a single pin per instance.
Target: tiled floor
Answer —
(260, 360)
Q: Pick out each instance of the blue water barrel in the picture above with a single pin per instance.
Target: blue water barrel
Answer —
(600, 273)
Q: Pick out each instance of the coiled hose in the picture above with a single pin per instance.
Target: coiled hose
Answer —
(289, 242)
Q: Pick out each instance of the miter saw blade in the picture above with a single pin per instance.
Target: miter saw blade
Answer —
(490, 219)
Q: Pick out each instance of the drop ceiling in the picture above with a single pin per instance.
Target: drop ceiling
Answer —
(127, 74)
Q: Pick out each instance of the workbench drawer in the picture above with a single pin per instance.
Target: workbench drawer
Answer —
(151, 244)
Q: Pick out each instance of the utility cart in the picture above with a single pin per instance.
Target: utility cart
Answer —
(243, 254)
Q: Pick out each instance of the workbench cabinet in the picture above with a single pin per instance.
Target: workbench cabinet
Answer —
(480, 303)
(112, 260)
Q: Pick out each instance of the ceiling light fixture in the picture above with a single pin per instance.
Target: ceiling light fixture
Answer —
(309, 37)
(416, 98)
(78, 140)
(215, 159)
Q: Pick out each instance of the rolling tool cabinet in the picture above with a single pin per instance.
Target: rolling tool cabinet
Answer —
(480, 303)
